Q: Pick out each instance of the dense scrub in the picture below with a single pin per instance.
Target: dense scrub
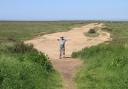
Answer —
(23, 67)
(106, 65)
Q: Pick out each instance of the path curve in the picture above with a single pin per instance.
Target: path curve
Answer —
(76, 41)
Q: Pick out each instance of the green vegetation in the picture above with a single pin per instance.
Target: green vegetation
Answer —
(106, 65)
(27, 30)
(23, 67)
(119, 31)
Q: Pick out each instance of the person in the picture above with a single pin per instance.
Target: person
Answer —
(62, 42)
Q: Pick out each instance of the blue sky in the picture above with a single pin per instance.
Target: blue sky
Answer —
(63, 9)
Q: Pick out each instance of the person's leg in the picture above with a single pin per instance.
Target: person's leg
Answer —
(60, 53)
(63, 52)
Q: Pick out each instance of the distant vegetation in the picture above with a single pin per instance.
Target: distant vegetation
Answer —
(106, 65)
(119, 31)
(27, 30)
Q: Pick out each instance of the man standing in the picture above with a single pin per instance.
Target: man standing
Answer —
(62, 42)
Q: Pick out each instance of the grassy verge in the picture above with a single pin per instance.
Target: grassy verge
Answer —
(23, 67)
(106, 65)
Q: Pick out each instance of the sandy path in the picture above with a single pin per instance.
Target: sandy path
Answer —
(76, 41)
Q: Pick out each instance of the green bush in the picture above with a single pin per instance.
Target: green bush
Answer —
(25, 75)
(20, 47)
(41, 59)
(25, 52)
(92, 31)
(23, 67)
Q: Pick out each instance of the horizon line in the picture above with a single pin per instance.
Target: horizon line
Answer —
(19, 20)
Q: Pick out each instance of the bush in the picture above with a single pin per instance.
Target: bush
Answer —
(25, 75)
(25, 52)
(23, 67)
(20, 47)
(92, 31)
(41, 59)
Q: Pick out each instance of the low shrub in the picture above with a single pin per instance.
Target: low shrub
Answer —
(92, 31)
(20, 47)
(42, 59)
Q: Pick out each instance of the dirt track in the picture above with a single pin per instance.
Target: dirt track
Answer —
(76, 41)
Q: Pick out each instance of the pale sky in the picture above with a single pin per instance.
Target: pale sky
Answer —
(63, 9)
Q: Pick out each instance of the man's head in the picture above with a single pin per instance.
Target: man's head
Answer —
(62, 37)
